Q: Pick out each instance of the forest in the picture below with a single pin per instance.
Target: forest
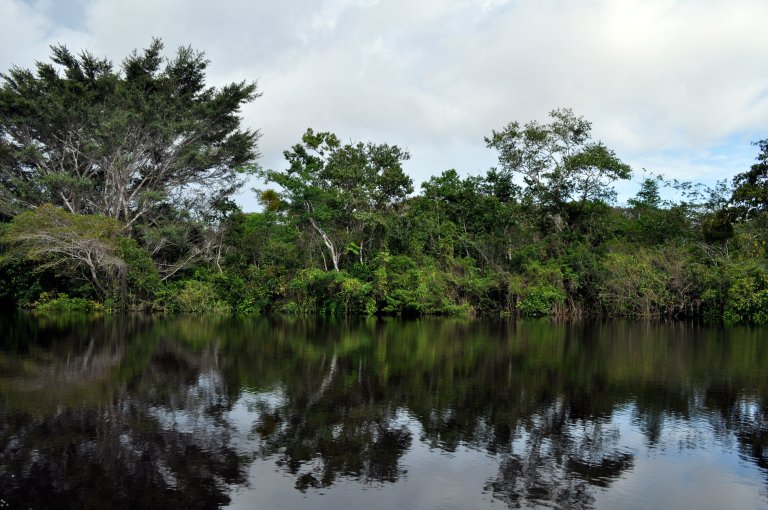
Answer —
(117, 186)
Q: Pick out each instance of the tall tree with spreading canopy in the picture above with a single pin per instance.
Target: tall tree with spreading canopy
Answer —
(750, 193)
(92, 139)
(343, 192)
(559, 162)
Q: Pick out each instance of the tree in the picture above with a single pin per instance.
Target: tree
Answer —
(648, 197)
(479, 211)
(750, 193)
(653, 221)
(343, 192)
(559, 162)
(94, 140)
(86, 245)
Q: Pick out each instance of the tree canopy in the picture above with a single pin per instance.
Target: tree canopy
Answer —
(80, 134)
(750, 193)
(343, 191)
(559, 162)
(117, 187)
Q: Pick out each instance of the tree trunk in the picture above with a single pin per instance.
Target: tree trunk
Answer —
(335, 255)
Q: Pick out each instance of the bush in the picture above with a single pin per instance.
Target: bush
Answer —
(634, 284)
(329, 293)
(403, 287)
(143, 280)
(193, 296)
(540, 300)
(21, 283)
(54, 302)
(747, 299)
(541, 289)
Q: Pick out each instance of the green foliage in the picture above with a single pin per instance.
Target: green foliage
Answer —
(559, 162)
(74, 244)
(633, 285)
(648, 197)
(478, 290)
(653, 224)
(264, 240)
(20, 283)
(329, 293)
(405, 287)
(542, 290)
(540, 300)
(343, 194)
(193, 296)
(748, 298)
(143, 280)
(32, 230)
(62, 303)
(341, 234)
(82, 135)
(93, 154)
(717, 227)
(750, 194)
(251, 292)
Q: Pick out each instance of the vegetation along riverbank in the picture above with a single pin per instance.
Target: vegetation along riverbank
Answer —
(117, 185)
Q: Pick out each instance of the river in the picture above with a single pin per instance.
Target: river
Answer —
(213, 412)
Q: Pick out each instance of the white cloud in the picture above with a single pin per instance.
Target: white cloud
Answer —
(654, 76)
(26, 30)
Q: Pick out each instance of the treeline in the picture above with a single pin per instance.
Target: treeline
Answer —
(116, 186)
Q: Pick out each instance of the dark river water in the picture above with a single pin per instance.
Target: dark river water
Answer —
(141, 412)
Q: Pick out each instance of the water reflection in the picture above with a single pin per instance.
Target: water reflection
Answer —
(179, 413)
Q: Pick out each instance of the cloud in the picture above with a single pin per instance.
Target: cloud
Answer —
(26, 31)
(656, 77)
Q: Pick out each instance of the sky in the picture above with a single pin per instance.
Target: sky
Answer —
(674, 87)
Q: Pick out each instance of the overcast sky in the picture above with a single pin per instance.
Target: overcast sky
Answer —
(674, 87)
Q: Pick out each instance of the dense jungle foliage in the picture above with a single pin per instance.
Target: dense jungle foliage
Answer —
(116, 192)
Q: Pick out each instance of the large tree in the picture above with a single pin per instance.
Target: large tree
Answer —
(750, 193)
(559, 162)
(343, 192)
(93, 139)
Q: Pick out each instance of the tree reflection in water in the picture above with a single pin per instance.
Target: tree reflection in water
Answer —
(560, 460)
(332, 430)
(98, 441)
(142, 413)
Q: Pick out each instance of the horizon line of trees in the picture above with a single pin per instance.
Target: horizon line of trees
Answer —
(116, 190)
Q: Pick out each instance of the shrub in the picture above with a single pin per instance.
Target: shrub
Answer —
(329, 293)
(747, 299)
(540, 299)
(55, 302)
(634, 285)
(143, 280)
(404, 287)
(193, 296)
(541, 289)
